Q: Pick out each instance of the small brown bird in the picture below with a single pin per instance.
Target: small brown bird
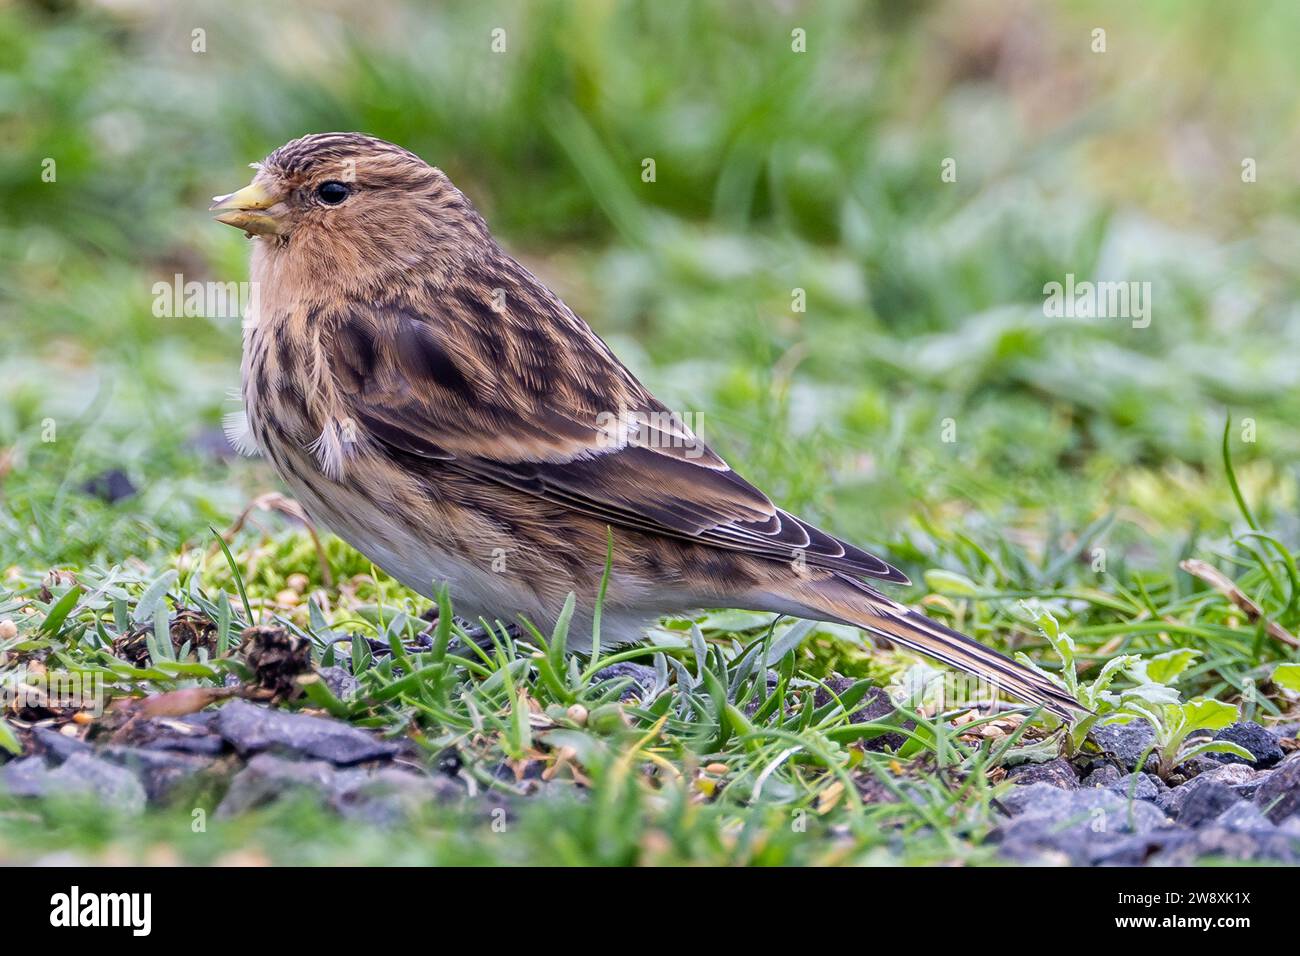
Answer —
(438, 407)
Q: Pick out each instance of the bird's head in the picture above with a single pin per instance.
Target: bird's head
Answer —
(351, 201)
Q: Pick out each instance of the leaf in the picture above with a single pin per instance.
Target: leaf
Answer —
(1287, 676)
(152, 596)
(1165, 668)
(1215, 746)
(788, 641)
(224, 616)
(1150, 693)
(950, 582)
(8, 739)
(1207, 714)
(60, 610)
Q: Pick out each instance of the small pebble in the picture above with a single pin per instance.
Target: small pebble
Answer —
(578, 714)
(8, 630)
(287, 598)
(717, 769)
(299, 583)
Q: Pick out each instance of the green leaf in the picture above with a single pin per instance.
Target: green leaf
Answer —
(950, 582)
(60, 610)
(152, 596)
(1207, 714)
(1215, 746)
(8, 739)
(1165, 668)
(1287, 676)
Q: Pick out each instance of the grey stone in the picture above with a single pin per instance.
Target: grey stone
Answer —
(175, 733)
(1076, 826)
(875, 705)
(1244, 815)
(1261, 743)
(268, 778)
(1239, 778)
(57, 746)
(80, 775)
(1203, 803)
(341, 683)
(1279, 795)
(642, 678)
(386, 796)
(1125, 742)
(1140, 849)
(1218, 841)
(1103, 775)
(1055, 773)
(162, 772)
(1139, 786)
(252, 729)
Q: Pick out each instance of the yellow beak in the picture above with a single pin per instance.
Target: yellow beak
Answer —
(248, 209)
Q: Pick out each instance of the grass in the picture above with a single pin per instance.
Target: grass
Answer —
(1090, 458)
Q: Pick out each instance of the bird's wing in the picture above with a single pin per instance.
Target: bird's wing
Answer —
(504, 382)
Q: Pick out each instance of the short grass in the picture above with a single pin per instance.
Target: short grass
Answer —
(1087, 457)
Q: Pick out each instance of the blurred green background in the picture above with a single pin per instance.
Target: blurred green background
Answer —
(775, 171)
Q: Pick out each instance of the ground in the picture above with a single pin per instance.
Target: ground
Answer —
(858, 324)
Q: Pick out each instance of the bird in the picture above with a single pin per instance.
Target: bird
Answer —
(436, 405)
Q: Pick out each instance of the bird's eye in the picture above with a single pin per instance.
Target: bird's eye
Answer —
(332, 193)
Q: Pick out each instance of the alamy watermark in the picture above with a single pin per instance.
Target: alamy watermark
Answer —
(179, 299)
(23, 689)
(650, 429)
(1098, 300)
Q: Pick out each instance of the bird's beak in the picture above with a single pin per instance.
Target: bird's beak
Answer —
(249, 209)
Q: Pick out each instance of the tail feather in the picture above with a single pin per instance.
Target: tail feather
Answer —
(914, 630)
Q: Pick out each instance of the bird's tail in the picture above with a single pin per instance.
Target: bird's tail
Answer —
(848, 601)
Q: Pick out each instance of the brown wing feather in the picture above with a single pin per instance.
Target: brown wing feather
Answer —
(515, 393)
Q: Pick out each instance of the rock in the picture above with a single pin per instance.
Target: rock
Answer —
(252, 729)
(184, 734)
(387, 796)
(875, 705)
(1239, 778)
(163, 773)
(1203, 803)
(1139, 786)
(1078, 826)
(1262, 744)
(1216, 840)
(58, 746)
(340, 682)
(1055, 773)
(1103, 775)
(1279, 795)
(642, 678)
(1140, 849)
(1244, 815)
(110, 486)
(268, 778)
(1125, 742)
(79, 776)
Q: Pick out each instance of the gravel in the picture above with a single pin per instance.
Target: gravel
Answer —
(1259, 741)
(79, 776)
(252, 729)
